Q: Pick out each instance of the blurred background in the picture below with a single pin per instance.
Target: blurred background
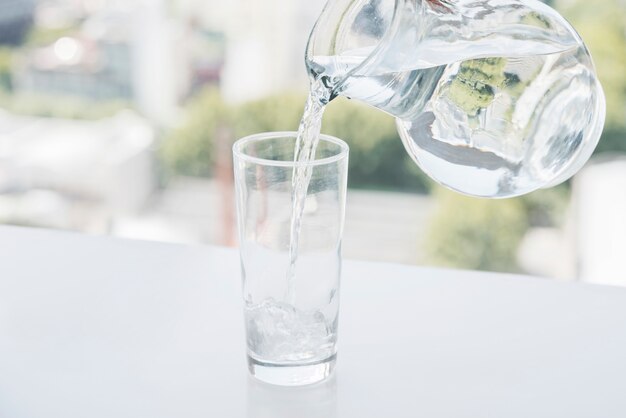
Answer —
(117, 117)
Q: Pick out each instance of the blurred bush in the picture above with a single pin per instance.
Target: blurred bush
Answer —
(478, 234)
(41, 36)
(602, 26)
(67, 107)
(274, 113)
(482, 234)
(188, 150)
(6, 62)
(377, 156)
(547, 207)
(378, 159)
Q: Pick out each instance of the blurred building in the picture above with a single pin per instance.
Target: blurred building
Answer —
(265, 43)
(74, 174)
(16, 18)
(128, 51)
(159, 67)
(206, 54)
(600, 216)
(591, 244)
(96, 69)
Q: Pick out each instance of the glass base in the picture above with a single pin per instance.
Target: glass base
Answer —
(292, 375)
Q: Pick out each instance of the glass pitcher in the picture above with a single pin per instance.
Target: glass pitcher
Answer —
(492, 98)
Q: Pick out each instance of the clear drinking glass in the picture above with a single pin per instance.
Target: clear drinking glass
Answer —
(291, 320)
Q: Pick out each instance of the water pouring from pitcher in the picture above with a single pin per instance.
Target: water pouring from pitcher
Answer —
(492, 98)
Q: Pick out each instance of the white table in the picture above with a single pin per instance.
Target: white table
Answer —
(98, 327)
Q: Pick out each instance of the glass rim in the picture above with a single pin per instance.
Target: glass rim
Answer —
(242, 142)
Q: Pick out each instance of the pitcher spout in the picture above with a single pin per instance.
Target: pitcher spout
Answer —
(352, 29)
(503, 92)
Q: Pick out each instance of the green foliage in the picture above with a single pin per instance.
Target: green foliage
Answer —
(378, 159)
(536, 19)
(602, 25)
(475, 233)
(484, 234)
(547, 207)
(6, 63)
(188, 150)
(613, 140)
(472, 89)
(41, 36)
(275, 113)
(59, 106)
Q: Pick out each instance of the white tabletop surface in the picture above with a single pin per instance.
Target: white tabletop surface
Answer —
(98, 327)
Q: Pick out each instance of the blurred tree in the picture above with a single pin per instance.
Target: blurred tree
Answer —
(41, 36)
(475, 233)
(547, 207)
(188, 150)
(602, 25)
(274, 113)
(473, 88)
(6, 62)
(59, 106)
(613, 140)
(378, 159)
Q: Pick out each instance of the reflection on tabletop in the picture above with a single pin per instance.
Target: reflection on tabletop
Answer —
(313, 401)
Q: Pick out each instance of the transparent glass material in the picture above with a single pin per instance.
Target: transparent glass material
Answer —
(291, 321)
(492, 98)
